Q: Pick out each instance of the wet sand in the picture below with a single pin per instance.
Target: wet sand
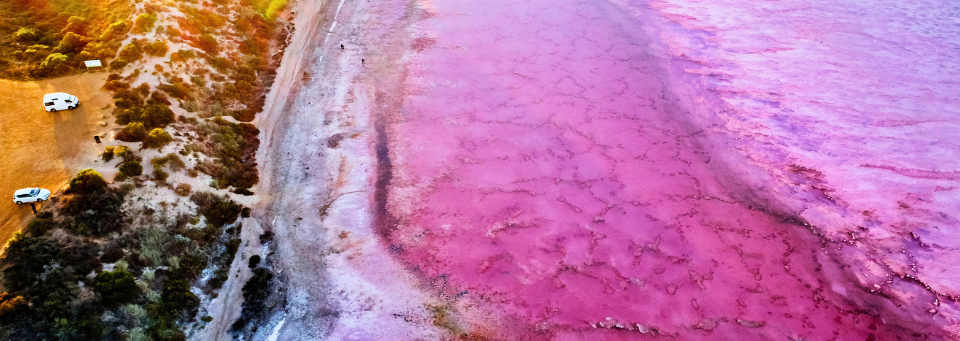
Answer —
(44, 149)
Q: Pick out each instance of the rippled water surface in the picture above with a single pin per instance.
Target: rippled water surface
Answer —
(701, 169)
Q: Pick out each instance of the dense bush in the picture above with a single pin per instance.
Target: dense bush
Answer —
(157, 139)
(76, 25)
(126, 154)
(178, 89)
(97, 213)
(129, 54)
(157, 49)
(26, 35)
(86, 182)
(208, 44)
(133, 132)
(55, 64)
(235, 146)
(151, 116)
(255, 293)
(144, 23)
(170, 160)
(108, 153)
(71, 43)
(218, 210)
(131, 168)
(182, 56)
(183, 190)
(40, 274)
(116, 287)
(116, 30)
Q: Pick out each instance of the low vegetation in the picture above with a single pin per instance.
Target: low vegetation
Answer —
(45, 39)
(102, 265)
(86, 273)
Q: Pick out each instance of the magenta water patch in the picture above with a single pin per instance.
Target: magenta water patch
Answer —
(560, 164)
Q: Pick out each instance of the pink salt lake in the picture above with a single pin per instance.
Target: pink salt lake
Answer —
(701, 170)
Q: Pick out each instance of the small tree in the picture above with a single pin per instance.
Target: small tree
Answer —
(208, 44)
(158, 116)
(116, 30)
(130, 168)
(55, 63)
(116, 287)
(25, 34)
(87, 181)
(144, 23)
(157, 139)
(157, 49)
(76, 25)
(133, 132)
(71, 43)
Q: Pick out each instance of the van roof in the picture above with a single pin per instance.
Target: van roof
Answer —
(51, 96)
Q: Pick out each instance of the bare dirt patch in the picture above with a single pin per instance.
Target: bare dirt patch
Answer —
(44, 149)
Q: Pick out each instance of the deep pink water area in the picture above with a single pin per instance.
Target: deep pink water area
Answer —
(611, 170)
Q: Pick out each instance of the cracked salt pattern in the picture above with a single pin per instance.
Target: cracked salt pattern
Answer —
(700, 169)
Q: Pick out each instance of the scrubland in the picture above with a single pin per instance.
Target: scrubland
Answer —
(137, 253)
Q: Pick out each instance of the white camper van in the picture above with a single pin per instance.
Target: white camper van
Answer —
(60, 101)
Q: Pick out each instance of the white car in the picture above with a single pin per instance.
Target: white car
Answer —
(60, 101)
(30, 195)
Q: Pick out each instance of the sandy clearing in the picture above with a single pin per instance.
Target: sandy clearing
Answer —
(45, 149)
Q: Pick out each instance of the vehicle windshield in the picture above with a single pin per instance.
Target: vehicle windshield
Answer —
(35, 192)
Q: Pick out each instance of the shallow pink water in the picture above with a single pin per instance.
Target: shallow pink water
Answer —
(706, 170)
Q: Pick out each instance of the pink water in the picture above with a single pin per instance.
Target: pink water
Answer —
(728, 170)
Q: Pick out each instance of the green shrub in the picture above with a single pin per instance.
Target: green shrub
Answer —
(255, 293)
(116, 287)
(218, 210)
(182, 56)
(55, 64)
(97, 213)
(71, 43)
(77, 25)
(26, 35)
(116, 30)
(171, 159)
(157, 49)
(157, 139)
(158, 116)
(133, 132)
(183, 190)
(208, 43)
(160, 175)
(132, 52)
(233, 146)
(254, 261)
(40, 226)
(108, 153)
(11, 304)
(131, 168)
(178, 89)
(87, 181)
(126, 154)
(144, 23)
